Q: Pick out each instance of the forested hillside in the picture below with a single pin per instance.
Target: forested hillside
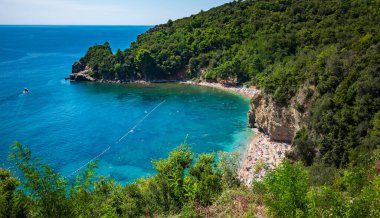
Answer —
(328, 49)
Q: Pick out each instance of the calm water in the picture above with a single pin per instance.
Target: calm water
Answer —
(68, 124)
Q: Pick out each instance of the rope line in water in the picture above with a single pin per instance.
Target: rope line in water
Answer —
(118, 141)
(139, 122)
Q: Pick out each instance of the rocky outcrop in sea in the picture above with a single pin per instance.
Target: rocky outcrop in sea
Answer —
(80, 72)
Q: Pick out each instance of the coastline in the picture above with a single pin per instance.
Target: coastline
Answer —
(243, 91)
(261, 154)
(247, 92)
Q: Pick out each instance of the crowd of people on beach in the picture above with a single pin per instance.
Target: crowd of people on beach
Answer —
(262, 156)
(247, 91)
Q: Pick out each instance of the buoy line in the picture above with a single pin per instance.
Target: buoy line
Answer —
(118, 141)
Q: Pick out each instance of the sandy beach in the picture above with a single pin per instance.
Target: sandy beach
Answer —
(262, 155)
(244, 91)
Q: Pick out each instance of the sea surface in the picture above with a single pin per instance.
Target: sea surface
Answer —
(68, 124)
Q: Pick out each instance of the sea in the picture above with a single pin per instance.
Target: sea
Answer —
(124, 126)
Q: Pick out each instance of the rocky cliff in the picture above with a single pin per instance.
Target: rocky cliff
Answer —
(280, 122)
(80, 72)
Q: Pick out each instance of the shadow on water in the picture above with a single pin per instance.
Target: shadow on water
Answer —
(124, 96)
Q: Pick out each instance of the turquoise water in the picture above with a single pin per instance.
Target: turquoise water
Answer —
(68, 124)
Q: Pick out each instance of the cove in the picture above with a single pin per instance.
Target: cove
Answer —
(68, 124)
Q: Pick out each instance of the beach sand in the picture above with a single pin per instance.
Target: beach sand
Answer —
(243, 91)
(262, 155)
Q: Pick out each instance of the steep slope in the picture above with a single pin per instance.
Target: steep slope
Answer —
(328, 52)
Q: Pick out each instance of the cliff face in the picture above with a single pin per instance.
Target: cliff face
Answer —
(80, 72)
(280, 123)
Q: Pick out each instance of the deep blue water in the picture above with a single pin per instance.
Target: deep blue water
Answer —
(67, 124)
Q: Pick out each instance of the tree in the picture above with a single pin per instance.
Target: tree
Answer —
(145, 64)
(206, 180)
(46, 189)
(12, 202)
(45, 193)
(287, 187)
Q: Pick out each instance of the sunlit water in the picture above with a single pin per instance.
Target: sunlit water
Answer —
(68, 124)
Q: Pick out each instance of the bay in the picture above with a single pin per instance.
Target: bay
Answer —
(68, 124)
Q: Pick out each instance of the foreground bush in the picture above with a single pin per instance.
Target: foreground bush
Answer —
(183, 183)
(189, 187)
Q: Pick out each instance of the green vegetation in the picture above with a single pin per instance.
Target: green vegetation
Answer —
(287, 188)
(278, 45)
(330, 50)
(182, 182)
(186, 185)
